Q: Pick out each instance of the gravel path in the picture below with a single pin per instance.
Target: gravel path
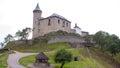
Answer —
(14, 58)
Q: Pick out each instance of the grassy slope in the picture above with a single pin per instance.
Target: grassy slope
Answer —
(117, 57)
(55, 46)
(80, 52)
(74, 64)
(3, 61)
(40, 47)
(103, 58)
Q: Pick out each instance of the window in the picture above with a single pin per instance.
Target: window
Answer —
(63, 23)
(58, 21)
(67, 24)
(49, 23)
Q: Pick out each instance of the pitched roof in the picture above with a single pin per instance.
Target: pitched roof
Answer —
(37, 8)
(42, 56)
(57, 15)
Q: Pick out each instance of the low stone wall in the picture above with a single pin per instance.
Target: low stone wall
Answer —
(75, 41)
(70, 39)
(19, 42)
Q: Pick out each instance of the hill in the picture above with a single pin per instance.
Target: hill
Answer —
(85, 60)
(40, 45)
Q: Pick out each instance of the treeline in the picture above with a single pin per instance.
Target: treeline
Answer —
(107, 42)
(19, 35)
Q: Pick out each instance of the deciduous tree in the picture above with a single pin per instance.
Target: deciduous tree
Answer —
(62, 56)
(24, 34)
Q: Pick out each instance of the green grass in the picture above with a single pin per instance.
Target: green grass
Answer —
(95, 62)
(3, 61)
(117, 57)
(41, 47)
(74, 64)
(102, 58)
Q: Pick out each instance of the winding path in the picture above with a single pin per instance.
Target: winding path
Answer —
(14, 58)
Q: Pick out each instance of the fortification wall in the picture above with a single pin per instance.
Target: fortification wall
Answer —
(70, 39)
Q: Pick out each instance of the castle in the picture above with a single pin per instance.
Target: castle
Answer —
(54, 22)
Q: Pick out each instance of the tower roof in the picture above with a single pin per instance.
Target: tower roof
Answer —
(37, 8)
(76, 26)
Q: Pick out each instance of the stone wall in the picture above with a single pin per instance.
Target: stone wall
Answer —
(75, 41)
(50, 24)
(20, 42)
(70, 39)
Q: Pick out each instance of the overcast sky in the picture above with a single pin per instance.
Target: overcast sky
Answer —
(90, 15)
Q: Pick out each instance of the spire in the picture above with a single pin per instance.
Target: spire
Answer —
(37, 8)
(76, 26)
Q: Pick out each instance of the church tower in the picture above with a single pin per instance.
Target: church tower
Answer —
(77, 29)
(36, 16)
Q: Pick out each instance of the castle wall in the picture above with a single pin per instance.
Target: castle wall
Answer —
(51, 24)
(70, 39)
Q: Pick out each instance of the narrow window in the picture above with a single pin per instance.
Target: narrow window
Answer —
(67, 24)
(58, 21)
(49, 22)
(63, 23)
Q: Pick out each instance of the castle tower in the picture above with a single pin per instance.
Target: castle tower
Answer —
(36, 16)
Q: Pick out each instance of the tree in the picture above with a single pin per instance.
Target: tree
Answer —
(100, 38)
(2, 44)
(24, 34)
(18, 34)
(113, 44)
(8, 38)
(88, 38)
(62, 56)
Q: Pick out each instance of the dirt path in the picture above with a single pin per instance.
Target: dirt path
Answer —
(14, 58)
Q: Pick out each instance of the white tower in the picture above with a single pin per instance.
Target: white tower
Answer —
(77, 29)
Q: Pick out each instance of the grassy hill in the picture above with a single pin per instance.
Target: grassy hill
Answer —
(85, 60)
(3, 61)
(99, 59)
(40, 43)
